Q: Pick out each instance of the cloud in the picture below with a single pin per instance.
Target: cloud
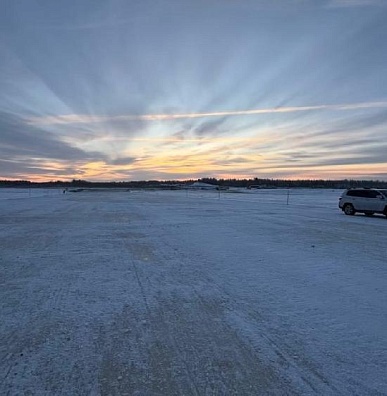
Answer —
(208, 128)
(32, 168)
(86, 119)
(123, 161)
(19, 140)
(232, 161)
(364, 122)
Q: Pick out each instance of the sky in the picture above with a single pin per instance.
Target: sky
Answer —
(179, 89)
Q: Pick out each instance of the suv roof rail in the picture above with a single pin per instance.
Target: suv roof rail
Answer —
(362, 188)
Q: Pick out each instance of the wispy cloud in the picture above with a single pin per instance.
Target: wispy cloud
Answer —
(19, 140)
(87, 119)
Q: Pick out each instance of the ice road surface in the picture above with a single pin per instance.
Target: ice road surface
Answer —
(190, 293)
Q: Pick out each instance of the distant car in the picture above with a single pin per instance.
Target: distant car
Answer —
(363, 200)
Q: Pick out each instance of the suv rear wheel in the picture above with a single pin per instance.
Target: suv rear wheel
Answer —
(349, 209)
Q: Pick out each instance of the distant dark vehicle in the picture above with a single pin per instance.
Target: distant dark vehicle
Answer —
(76, 190)
(364, 200)
(260, 186)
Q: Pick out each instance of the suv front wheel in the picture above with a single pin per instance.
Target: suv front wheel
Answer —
(349, 209)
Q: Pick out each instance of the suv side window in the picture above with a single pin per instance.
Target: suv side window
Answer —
(357, 193)
(363, 193)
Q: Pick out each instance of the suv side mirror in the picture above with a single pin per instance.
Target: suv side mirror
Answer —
(380, 196)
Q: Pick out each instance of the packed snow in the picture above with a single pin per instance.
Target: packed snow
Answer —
(266, 292)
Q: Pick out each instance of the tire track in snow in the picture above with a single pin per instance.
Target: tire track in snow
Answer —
(209, 322)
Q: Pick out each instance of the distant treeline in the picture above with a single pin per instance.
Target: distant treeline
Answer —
(283, 183)
(175, 184)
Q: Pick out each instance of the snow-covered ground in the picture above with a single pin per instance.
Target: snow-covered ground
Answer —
(191, 293)
(11, 193)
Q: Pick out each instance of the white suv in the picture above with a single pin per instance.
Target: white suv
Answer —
(364, 200)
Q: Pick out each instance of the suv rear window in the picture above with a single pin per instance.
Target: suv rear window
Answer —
(373, 194)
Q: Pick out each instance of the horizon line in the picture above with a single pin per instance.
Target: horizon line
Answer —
(191, 179)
